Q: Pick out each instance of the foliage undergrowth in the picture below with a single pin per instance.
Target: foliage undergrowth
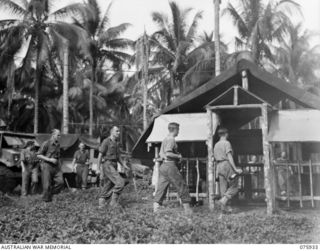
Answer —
(75, 218)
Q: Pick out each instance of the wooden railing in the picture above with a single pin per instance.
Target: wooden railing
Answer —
(305, 175)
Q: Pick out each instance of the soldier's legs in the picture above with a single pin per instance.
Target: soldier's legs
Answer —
(223, 185)
(232, 189)
(106, 189)
(46, 174)
(34, 179)
(79, 175)
(162, 187)
(177, 181)
(85, 173)
(25, 182)
(58, 181)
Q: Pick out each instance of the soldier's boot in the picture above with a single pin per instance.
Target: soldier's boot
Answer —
(221, 204)
(114, 200)
(187, 209)
(156, 207)
(102, 203)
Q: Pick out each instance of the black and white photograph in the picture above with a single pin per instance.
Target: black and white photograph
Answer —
(159, 122)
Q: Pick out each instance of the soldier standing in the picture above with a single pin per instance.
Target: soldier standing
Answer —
(169, 173)
(226, 169)
(80, 164)
(52, 178)
(113, 183)
(29, 164)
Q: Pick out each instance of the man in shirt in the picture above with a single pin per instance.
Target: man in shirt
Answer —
(49, 154)
(113, 183)
(80, 165)
(226, 168)
(29, 165)
(169, 173)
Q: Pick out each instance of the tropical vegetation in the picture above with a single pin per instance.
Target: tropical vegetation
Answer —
(114, 80)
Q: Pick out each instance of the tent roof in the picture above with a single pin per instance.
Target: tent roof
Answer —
(294, 126)
(261, 83)
(193, 127)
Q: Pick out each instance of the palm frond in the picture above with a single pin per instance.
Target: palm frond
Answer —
(105, 20)
(193, 28)
(12, 7)
(113, 32)
(68, 11)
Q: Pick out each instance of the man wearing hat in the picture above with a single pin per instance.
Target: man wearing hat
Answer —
(226, 169)
(169, 173)
(49, 154)
(29, 165)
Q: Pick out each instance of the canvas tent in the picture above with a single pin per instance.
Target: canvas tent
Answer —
(193, 127)
(300, 126)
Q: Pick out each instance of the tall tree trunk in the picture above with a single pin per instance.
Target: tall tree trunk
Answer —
(93, 81)
(65, 116)
(36, 95)
(145, 79)
(217, 36)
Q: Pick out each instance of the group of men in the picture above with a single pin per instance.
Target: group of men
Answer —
(48, 157)
(113, 182)
(48, 161)
(169, 173)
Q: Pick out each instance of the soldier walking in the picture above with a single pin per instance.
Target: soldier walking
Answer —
(52, 178)
(29, 164)
(226, 169)
(80, 165)
(113, 183)
(169, 173)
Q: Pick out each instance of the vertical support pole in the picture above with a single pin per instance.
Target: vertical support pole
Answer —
(268, 177)
(198, 180)
(245, 83)
(235, 95)
(65, 119)
(187, 174)
(300, 184)
(155, 175)
(287, 184)
(217, 35)
(210, 163)
(311, 183)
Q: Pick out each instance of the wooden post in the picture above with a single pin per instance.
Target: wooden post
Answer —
(268, 177)
(217, 36)
(235, 95)
(65, 109)
(245, 84)
(198, 180)
(287, 184)
(311, 183)
(210, 163)
(155, 175)
(300, 184)
(187, 173)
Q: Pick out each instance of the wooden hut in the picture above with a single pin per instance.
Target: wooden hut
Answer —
(235, 99)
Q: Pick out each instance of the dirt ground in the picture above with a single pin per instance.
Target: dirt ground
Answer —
(74, 217)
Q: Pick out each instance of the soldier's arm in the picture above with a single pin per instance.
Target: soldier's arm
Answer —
(22, 159)
(231, 161)
(99, 163)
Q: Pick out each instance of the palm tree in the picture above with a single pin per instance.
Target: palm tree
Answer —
(173, 41)
(296, 60)
(36, 27)
(259, 24)
(105, 46)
